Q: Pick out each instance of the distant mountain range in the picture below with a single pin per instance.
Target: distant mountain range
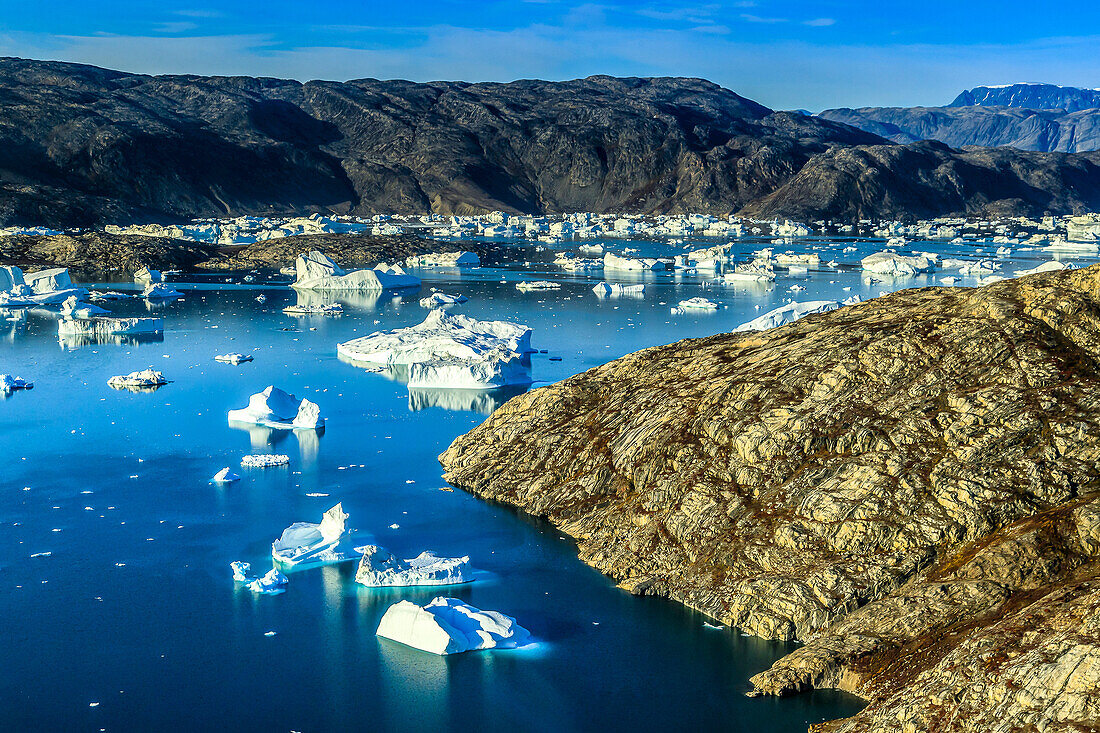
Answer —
(84, 146)
(1042, 117)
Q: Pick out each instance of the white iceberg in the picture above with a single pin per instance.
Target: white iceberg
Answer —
(75, 309)
(144, 379)
(146, 275)
(329, 309)
(614, 290)
(449, 626)
(379, 568)
(537, 285)
(788, 313)
(225, 476)
(233, 358)
(979, 269)
(305, 544)
(1052, 266)
(264, 460)
(804, 260)
(894, 265)
(757, 271)
(440, 335)
(435, 300)
(240, 571)
(695, 304)
(272, 583)
(274, 408)
(492, 370)
(99, 326)
(315, 271)
(9, 384)
(160, 291)
(45, 287)
(612, 261)
(444, 259)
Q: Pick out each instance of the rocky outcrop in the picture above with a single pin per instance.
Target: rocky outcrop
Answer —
(97, 254)
(349, 250)
(909, 486)
(82, 146)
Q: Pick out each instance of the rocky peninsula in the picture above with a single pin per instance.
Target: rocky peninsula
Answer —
(908, 486)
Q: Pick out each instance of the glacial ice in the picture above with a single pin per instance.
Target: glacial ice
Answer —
(695, 304)
(141, 380)
(614, 290)
(46, 287)
(449, 626)
(494, 369)
(440, 335)
(537, 285)
(788, 313)
(99, 326)
(1051, 266)
(225, 476)
(895, 265)
(756, 271)
(380, 568)
(315, 271)
(328, 309)
(264, 460)
(444, 259)
(612, 261)
(73, 308)
(9, 384)
(233, 358)
(160, 291)
(435, 300)
(306, 544)
(147, 275)
(270, 584)
(274, 408)
(240, 571)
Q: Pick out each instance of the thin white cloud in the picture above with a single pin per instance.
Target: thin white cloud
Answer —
(760, 19)
(819, 22)
(177, 26)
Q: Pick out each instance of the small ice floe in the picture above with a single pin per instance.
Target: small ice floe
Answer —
(146, 276)
(261, 298)
(264, 460)
(274, 408)
(894, 265)
(612, 261)
(160, 291)
(146, 379)
(713, 626)
(269, 633)
(330, 309)
(1052, 266)
(449, 626)
(796, 288)
(105, 295)
(949, 280)
(73, 308)
(695, 304)
(614, 290)
(537, 285)
(306, 544)
(9, 384)
(273, 583)
(380, 568)
(233, 358)
(436, 300)
(225, 476)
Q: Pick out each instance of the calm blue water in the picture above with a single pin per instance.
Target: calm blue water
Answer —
(135, 608)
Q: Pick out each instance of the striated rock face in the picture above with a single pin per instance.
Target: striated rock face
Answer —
(909, 486)
(82, 146)
(97, 253)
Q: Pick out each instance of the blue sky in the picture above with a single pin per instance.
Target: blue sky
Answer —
(808, 54)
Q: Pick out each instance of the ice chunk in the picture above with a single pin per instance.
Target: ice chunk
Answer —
(449, 626)
(145, 275)
(9, 384)
(160, 291)
(99, 326)
(979, 269)
(613, 290)
(315, 271)
(895, 265)
(444, 259)
(275, 408)
(306, 544)
(698, 304)
(225, 476)
(495, 369)
(804, 260)
(441, 335)
(756, 271)
(381, 568)
(145, 379)
(788, 314)
(233, 358)
(436, 300)
(264, 460)
(44, 287)
(240, 571)
(1052, 266)
(612, 261)
(11, 277)
(537, 285)
(328, 309)
(73, 308)
(270, 584)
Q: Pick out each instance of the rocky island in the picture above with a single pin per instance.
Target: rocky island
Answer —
(907, 486)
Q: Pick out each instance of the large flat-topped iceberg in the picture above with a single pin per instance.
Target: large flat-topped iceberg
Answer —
(612, 261)
(495, 369)
(449, 626)
(380, 568)
(99, 326)
(45, 287)
(789, 313)
(894, 265)
(315, 271)
(440, 335)
(1051, 266)
(274, 408)
(615, 290)
(444, 259)
(306, 544)
(758, 271)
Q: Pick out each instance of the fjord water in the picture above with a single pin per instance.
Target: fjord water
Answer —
(132, 621)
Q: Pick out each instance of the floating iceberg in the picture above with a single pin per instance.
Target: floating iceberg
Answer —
(146, 275)
(330, 309)
(315, 271)
(537, 285)
(697, 304)
(490, 371)
(225, 476)
(46, 287)
(805, 260)
(613, 261)
(144, 380)
(613, 290)
(758, 271)
(274, 408)
(380, 568)
(1052, 266)
(99, 326)
(75, 309)
(790, 313)
(9, 384)
(240, 571)
(160, 291)
(440, 335)
(305, 544)
(895, 265)
(444, 259)
(979, 269)
(272, 583)
(449, 626)
(264, 460)
(435, 300)
(233, 358)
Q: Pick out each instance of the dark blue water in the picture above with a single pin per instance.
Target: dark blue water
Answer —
(135, 609)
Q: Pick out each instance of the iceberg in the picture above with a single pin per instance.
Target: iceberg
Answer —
(271, 584)
(145, 379)
(612, 261)
(264, 460)
(160, 291)
(1052, 266)
(146, 275)
(495, 369)
(315, 271)
(330, 309)
(757, 271)
(435, 300)
(46, 287)
(99, 326)
(449, 626)
(614, 290)
(305, 544)
(537, 285)
(379, 568)
(699, 304)
(240, 571)
(274, 408)
(895, 265)
(225, 476)
(75, 309)
(440, 335)
(805, 260)
(9, 384)
(979, 269)
(444, 259)
(233, 358)
(789, 313)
